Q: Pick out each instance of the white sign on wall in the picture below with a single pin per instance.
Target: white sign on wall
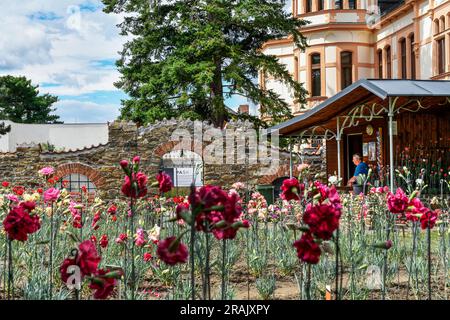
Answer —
(183, 177)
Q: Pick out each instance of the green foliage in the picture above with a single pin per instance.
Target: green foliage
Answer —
(20, 102)
(187, 56)
(266, 286)
(48, 147)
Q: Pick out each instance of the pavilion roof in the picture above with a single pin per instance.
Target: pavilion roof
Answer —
(368, 92)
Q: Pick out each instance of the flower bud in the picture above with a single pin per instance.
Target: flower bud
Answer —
(384, 245)
(221, 224)
(124, 164)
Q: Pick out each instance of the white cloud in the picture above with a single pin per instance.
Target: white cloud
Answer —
(54, 41)
(22, 44)
(73, 111)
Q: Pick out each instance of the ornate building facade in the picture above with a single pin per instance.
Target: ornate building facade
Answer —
(356, 39)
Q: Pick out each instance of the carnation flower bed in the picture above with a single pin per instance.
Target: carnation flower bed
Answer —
(314, 243)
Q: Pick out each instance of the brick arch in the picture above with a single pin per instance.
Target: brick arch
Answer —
(283, 171)
(92, 174)
(169, 146)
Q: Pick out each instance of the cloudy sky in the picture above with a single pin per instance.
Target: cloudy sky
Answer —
(69, 48)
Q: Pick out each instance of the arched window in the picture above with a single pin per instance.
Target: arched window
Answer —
(436, 26)
(184, 167)
(308, 5)
(380, 64)
(402, 43)
(412, 57)
(346, 69)
(316, 81)
(320, 5)
(441, 55)
(74, 182)
(338, 4)
(441, 24)
(388, 62)
(352, 4)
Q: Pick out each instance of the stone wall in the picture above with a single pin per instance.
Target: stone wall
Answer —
(101, 163)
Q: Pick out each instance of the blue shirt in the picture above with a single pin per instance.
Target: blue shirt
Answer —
(361, 168)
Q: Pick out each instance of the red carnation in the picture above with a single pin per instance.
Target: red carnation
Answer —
(229, 218)
(178, 200)
(18, 190)
(147, 257)
(291, 189)
(87, 258)
(103, 285)
(232, 208)
(415, 207)
(397, 202)
(124, 164)
(136, 159)
(207, 198)
(63, 269)
(322, 219)
(428, 219)
(171, 252)
(5, 184)
(165, 182)
(19, 223)
(140, 180)
(182, 207)
(112, 210)
(307, 249)
(104, 241)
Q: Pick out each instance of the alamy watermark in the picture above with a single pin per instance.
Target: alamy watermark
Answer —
(231, 146)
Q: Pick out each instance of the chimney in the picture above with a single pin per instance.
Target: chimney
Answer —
(244, 108)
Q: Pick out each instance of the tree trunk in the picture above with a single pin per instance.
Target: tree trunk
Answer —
(218, 106)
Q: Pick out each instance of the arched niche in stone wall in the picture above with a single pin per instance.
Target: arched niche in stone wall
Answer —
(184, 166)
(76, 175)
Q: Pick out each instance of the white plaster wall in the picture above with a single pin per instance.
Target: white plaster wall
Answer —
(423, 7)
(4, 139)
(284, 92)
(302, 59)
(317, 19)
(331, 37)
(426, 28)
(302, 76)
(288, 62)
(330, 80)
(362, 36)
(316, 38)
(330, 4)
(426, 67)
(350, 17)
(393, 27)
(299, 7)
(363, 4)
(278, 50)
(330, 54)
(365, 73)
(337, 36)
(365, 54)
(62, 136)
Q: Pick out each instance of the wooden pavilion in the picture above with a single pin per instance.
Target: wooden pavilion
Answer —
(389, 122)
